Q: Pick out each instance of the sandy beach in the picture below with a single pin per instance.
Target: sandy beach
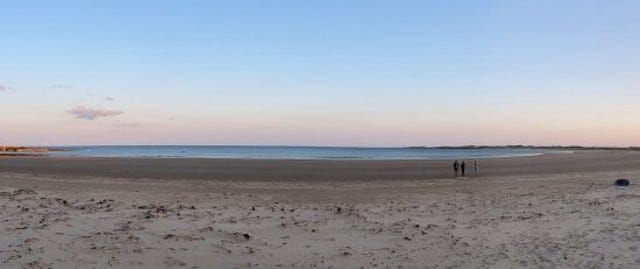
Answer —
(551, 211)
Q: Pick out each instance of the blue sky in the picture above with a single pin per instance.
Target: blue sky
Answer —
(320, 72)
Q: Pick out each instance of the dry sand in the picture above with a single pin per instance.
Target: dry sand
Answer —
(553, 211)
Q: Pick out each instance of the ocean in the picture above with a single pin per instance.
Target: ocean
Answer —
(293, 152)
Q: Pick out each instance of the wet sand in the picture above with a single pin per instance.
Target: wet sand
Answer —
(316, 170)
(553, 211)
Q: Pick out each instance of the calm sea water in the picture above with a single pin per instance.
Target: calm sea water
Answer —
(291, 152)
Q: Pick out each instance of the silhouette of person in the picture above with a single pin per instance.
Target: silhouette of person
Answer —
(476, 165)
(455, 167)
(462, 168)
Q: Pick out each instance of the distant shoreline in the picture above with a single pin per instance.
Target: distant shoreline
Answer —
(23, 151)
(518, 146)
(526, 147)
(570, 147)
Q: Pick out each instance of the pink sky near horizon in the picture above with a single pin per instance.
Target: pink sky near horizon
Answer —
(325, 126)
(493, 120)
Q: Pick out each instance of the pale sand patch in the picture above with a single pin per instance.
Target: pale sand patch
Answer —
(568, 220)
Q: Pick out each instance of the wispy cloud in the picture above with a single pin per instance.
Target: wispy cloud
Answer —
(3, 88)
(109, 99)
(61, 86)
(86, 113)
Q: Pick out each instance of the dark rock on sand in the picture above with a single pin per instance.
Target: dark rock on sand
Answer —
(622, 182)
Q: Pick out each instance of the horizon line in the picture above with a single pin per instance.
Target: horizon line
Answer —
(461, 146)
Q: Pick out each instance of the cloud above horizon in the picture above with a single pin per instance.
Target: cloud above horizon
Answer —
(86, 113)
(3, 88)
(109, 99)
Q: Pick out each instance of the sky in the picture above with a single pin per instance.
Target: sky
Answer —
(341, 73)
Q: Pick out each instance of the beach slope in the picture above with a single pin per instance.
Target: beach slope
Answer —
(59, 214)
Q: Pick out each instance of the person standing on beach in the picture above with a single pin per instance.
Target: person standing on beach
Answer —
(476, 165)
(455, 167)
(462, 168)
